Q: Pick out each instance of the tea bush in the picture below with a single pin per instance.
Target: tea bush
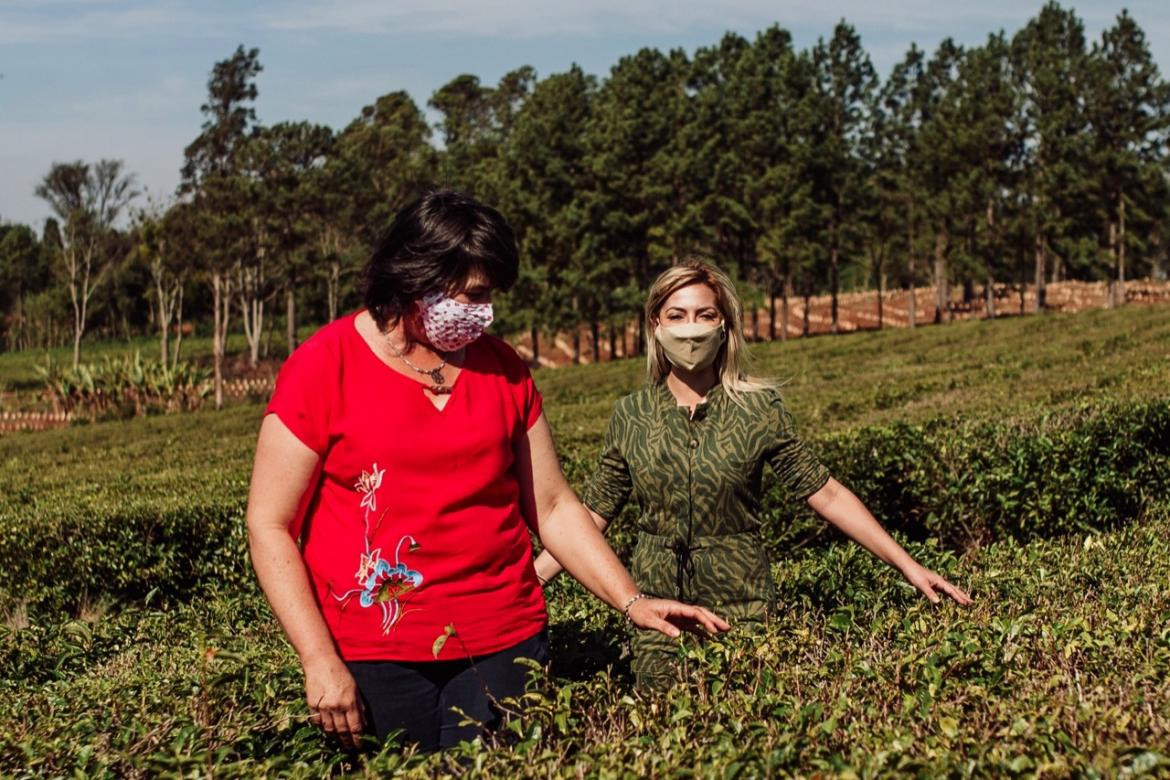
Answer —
(1062, 667)
(963, 484)
(1088, 469)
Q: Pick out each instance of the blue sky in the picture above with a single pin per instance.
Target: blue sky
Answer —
(87, 79)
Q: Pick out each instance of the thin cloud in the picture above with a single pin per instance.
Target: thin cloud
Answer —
(23, 23)
(529, 18)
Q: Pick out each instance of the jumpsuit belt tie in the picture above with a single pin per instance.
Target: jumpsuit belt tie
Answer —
(684, 564)
(684, 569)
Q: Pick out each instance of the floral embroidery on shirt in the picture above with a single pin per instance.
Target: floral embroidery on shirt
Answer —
(380, 582)
(368, 484)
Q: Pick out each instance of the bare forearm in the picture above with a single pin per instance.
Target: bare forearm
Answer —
(281, 572)
(839, 506)
(548, 567)
(572, 539)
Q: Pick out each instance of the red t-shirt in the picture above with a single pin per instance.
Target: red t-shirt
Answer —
(413, 522)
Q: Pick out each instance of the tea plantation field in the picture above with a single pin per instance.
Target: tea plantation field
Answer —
(1026, 459)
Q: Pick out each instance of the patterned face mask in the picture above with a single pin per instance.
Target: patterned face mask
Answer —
(449, 324)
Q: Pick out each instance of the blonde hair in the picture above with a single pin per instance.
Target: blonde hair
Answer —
(732, 361)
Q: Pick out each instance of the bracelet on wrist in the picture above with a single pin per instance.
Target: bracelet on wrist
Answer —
(630, 603)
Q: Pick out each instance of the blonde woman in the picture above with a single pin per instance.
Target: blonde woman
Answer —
(690, 448)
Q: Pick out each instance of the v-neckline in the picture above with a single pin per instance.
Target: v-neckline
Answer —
(423, 390)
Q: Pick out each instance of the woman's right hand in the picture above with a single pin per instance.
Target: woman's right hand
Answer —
(672, 617)
(333, 700)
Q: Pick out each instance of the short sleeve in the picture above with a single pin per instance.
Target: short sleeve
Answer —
(795, 465)
(303, 393)
(527, 398)
(609, 485)
(531, 402)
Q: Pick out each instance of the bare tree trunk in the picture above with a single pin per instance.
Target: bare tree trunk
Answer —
(833, 285)
(612, 342)
(989, 288)
(1121, 249)
(219, 325)
(179, 323)
(1113, 264)
(942, 303)
(912, 298)
(912, 273)
(80, 267)
(755, 321)
(881, 295)
(333, 285)
(251, 308)
(164, 323)
(806, 329)
(1041, 250)
(258, 326)
(535, 334)
(772, 313)
(21, 338)
(168, 292)
(73, 267)
(76, 344)
(595, 334)
(290, 314)
(785, 294)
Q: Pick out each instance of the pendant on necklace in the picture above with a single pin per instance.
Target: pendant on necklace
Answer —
(437, 376)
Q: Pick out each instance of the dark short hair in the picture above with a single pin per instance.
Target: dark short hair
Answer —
(435, 244)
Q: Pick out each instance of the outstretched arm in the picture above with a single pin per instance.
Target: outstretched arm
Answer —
(839, 506)
(571, 537)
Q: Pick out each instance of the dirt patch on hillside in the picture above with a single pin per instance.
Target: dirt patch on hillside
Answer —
(860, 311)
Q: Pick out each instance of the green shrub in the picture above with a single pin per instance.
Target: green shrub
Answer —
(125, 386)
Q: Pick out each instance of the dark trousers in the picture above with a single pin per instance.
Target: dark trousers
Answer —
(419, 698)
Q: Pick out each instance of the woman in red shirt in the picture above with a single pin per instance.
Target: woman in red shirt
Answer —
(402, 461)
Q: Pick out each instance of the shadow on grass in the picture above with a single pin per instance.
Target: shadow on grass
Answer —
(579, 649)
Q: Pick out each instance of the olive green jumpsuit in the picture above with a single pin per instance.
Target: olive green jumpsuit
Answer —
(696, 480)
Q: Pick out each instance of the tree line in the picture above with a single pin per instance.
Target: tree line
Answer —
(1034, 157)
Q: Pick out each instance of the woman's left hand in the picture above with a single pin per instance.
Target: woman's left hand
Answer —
(931, 584)
(673, 617)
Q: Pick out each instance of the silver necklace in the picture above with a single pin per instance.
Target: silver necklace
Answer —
(436, 373)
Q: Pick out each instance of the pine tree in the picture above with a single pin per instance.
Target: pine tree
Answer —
(1051, 63)
(631, 158)
(846, 85)
(1129, 111)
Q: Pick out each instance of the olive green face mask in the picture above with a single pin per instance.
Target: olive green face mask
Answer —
(693, 346)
